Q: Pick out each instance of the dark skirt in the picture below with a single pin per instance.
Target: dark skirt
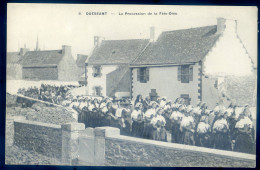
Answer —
(176, 133)
(203, 139)
(188, 137)
(137, 129)
(245, 143)
(147, 131)
(222, 141)
(126, 131)
(158, 134)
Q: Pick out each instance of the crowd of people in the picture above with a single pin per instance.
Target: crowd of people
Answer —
(220, 128)
(49, 93)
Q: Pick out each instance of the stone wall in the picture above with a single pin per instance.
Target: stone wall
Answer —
(58, 142)
(43, 138)
(40, 73)
(128, 151)
(125, 151)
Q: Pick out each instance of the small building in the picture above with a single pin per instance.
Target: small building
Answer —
(107, 68)
(50, 65)
(187, 63)
(13, 64)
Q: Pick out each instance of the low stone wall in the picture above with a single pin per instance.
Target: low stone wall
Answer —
(54, 141)
(128, 151)
(43, 138)
(104, 146)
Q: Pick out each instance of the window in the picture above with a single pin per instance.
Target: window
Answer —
(98, 91)
(96, 71)
(186, 98)
(143, 74)
(185, 73)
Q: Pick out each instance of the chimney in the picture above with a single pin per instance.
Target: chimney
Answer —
(66, 49)
(23, 51)
(221, 25)
(98, 40)
(152, 34)
(227, 25)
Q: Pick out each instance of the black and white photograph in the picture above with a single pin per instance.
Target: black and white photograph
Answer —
(131, 85)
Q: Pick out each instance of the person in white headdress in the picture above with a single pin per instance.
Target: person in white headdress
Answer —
(220, 130)
(74, 102)
(158, 123)
(203, 132)
(244, 138)
(149, 114)
(138, 121)
(146, 103)
(187, 128)
(176, 118)
(162, 102)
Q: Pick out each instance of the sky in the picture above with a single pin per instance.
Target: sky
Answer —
(61, 24)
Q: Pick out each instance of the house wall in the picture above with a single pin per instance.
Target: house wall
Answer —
(14, 71)
(68, 69)
(98, 81)
(165, 81)
(40, 73)
(118, 81)
(228, 56)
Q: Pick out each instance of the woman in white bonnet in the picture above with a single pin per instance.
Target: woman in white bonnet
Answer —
(146, 103)
(244, 138)
(138, 122)
(220, 130)
(176, 118)
(203, 132)
(158, 122)
(187, 128)
(149, 114)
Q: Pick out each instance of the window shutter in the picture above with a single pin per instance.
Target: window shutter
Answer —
(179, 73)
(147, 74)
(100, 69)
(191, 73)
(138, 74)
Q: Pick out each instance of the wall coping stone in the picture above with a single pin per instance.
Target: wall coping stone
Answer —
(37, 100)
(73, 126)
(87, 132)
(38, 123)
(106, 131)
(18, 118)
(185, 147)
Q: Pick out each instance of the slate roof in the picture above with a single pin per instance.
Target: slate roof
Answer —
(179, 46)
(81, 60)
(117, 51)
(13, 58)
(42, 58)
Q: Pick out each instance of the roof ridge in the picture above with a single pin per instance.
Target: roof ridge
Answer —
(128, 39)
(188, 29)
(45, 50)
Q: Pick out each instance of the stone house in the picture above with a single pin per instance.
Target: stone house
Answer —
(13, 64)
(188, 63)
(107, 68)
(50, 65)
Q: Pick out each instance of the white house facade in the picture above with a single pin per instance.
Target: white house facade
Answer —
(190, 63)
(107, 68)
